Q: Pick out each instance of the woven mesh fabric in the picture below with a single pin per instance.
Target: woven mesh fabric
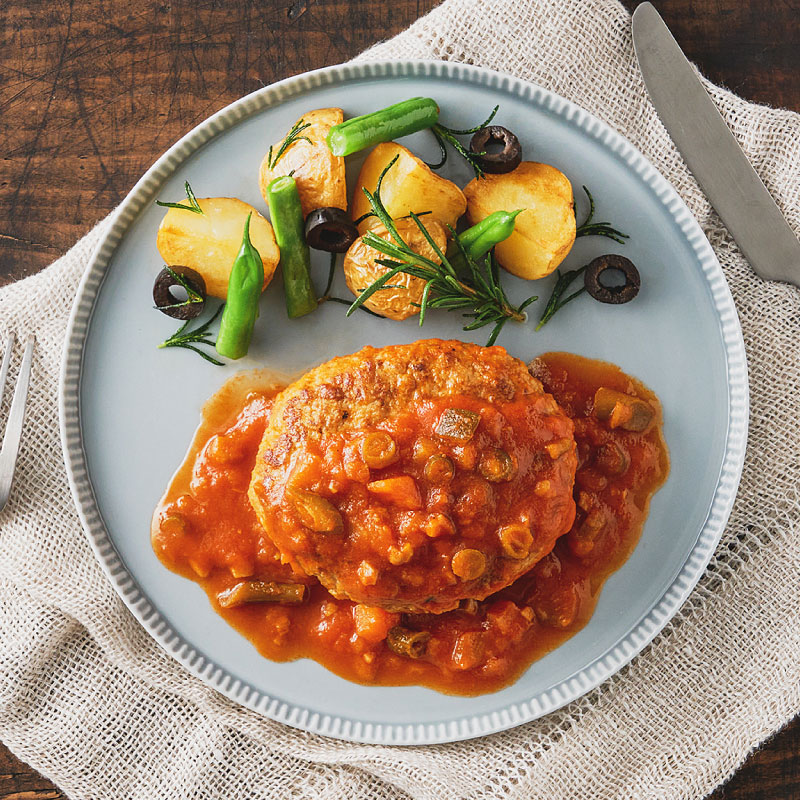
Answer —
(89, 699)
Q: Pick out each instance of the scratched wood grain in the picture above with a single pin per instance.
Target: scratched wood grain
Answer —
(93, 91)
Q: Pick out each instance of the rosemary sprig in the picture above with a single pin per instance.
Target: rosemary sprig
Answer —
(444, 134)
(589, 228)
(188, 339)
(478, 293)
(562, 284)
(192, 296)
(193, 206)
(291, 137)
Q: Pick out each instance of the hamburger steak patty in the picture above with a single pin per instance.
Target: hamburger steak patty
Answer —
(414, 476)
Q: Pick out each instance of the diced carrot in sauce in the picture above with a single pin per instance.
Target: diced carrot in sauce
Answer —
(401, 491)
(373, 624)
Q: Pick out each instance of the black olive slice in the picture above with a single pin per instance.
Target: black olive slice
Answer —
(507, 159)
(330, 229)
(608, 293)
(187, 304)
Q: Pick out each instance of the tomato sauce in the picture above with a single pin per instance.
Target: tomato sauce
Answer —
(418, 498)
(206, 530)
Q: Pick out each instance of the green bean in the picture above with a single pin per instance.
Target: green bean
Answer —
(406, 642)
(481, 238)
(245, 284)
(289, 225)
(390, 123)
(263, 592)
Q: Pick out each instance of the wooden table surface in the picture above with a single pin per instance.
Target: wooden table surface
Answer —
(91, 92)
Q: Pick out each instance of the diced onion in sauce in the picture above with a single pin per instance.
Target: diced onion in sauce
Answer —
(558, 448)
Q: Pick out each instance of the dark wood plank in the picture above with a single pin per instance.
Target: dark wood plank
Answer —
(19, 782)
(92, 92)
(772, 772)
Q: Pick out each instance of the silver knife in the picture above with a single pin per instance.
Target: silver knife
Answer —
(712, 152)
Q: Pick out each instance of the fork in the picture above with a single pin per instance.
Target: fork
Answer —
(16, 415)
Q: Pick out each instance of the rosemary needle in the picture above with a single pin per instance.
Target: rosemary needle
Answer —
(555, 302)
(589, 228)
(193, 206)
(189, 339)
(192, 297)
(444, 134)
(291, 137)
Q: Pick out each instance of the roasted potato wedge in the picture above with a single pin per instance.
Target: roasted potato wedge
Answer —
(209, 242)
(319, 174)
(410, 185)
(361, 269)
(544, 232)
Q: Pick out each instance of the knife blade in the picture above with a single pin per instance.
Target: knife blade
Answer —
(712, 153)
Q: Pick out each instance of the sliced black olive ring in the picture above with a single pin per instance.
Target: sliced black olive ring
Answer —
(624, 292)
(507, 159)
(187, 307)
(330, 229)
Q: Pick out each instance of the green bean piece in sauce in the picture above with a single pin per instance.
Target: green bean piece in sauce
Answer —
(241, 307)
(481, 238)
(289, 226)
(400, 119)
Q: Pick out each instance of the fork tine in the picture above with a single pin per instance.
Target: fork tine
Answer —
(4, 365)
(16, 416)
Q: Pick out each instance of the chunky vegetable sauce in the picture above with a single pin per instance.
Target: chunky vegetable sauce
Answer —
(416, 476)
(205, 529)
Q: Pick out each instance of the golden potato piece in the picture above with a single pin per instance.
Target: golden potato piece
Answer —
(544, 232)
(360, 269)
(410, 185)
(319, 174)
(209, 242)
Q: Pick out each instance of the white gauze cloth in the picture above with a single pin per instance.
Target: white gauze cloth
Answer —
(91, 701)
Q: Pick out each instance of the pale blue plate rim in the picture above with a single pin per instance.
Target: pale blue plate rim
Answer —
(471, 725)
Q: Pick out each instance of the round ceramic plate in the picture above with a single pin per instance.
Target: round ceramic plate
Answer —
(129, 409)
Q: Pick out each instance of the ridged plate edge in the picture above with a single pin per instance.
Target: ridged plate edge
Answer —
(473, 725)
